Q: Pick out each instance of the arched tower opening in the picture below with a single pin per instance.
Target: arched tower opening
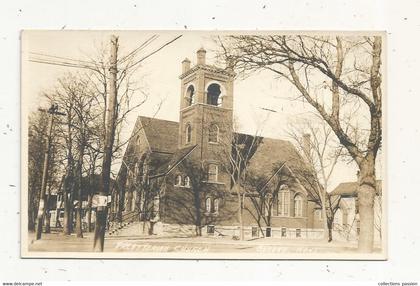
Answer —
(190, 96)
(214, 95)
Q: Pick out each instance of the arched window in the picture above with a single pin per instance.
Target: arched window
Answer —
(187, 181)
(178, 181)
(213, 172)
(188, 132)
(213, 94)
(190, 96)
(208, 205)
(284, 201)
(214, 133)
(216, 205)
(298, 206)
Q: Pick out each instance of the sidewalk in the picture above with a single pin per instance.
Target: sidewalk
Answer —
(56, 242)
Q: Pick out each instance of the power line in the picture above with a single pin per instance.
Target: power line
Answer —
(144, 44)
(63, 58)
(90, 65)
(155, 51)
(62, 63)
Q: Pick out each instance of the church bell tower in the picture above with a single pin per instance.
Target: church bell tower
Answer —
(206, 111)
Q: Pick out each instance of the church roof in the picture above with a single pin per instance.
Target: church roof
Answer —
(162, 135)
(349, 189)
(271, 154)
(173, 160)
(267, 156)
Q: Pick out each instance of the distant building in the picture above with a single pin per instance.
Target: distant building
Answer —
(176, 177)
(346, 220)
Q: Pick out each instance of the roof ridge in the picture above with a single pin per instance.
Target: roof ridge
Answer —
(154, 118)
(264, 137)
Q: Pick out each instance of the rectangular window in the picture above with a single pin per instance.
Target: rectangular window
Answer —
(254, 231)
(283, 232)
(298, 232)
(210, 229)
(213, 171)
(268, 232)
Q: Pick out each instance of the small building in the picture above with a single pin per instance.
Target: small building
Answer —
(346, 220)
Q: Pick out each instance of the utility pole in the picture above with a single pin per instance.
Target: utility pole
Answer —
(53, 110)
(110, 118)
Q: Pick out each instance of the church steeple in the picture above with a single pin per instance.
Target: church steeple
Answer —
(206, 106)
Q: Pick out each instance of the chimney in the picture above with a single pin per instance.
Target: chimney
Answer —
(186, 65)
(201, 56)
(306, 141)
(230, 65)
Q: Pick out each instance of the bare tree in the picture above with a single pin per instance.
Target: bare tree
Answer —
(38, 122)
(339, 77)
(194, 190)
(321, 150)
(237, 152)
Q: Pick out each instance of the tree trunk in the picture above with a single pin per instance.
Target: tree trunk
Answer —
(330, 229)
(89, 213)
(66, 219)
(366, 197)
(121, 201)
(110, 119)
(68, 210)
(57, 216)
(48, 221)
(240, 208)
(100, 228)
(79, 230)
(197, 202)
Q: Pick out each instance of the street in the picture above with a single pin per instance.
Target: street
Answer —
(56, 242)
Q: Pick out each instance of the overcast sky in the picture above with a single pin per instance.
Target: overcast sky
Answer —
(159, 75)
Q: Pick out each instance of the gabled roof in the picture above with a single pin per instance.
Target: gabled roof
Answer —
(162, 135)
(349, 189)
(266, 157)
(271, 154)
(172, 161)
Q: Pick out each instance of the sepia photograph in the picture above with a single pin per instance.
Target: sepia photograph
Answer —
(203, 145)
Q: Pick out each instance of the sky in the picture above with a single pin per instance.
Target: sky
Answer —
(159, 77)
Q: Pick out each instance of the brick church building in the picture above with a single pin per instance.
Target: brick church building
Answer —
(200, 177)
